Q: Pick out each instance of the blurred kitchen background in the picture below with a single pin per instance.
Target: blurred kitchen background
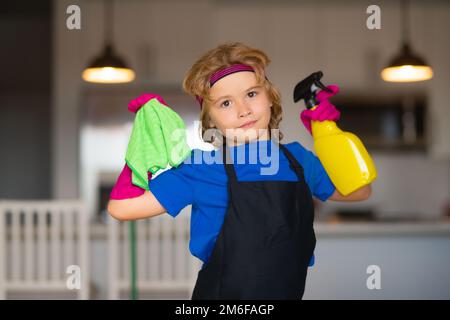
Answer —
(63, 140)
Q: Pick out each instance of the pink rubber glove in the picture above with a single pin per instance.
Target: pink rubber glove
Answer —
(325, 110)
(137, 103)
(124, 188)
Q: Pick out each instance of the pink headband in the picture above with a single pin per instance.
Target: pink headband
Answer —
(216, 76)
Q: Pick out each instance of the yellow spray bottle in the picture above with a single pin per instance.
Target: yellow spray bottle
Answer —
(342, 154)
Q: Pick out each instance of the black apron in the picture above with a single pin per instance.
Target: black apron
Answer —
(266, 241)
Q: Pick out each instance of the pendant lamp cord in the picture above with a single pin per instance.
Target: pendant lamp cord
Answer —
(405, 21)
(108, 12)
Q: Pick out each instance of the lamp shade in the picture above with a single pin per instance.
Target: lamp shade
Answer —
(108, 68)
(407, 67)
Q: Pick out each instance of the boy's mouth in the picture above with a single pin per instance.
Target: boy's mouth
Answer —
(248, 124)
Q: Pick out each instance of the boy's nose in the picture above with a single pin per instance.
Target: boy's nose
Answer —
(244, 110)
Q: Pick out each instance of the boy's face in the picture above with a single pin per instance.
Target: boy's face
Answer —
(236, 100)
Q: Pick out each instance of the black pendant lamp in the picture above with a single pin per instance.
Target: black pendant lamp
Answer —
(406, 66)
(108, 67)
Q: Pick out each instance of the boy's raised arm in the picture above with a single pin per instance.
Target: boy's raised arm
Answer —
(144, 206)
(360, 194)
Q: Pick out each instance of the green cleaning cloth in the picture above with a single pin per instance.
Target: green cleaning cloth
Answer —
(158, 139)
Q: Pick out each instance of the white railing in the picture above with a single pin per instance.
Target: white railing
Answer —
(164, 262)
(39, 241)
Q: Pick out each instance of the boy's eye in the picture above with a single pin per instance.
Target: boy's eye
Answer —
(251, 94)
(226, 103)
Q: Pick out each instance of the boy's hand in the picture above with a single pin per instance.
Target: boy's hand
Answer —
(135, 104)
(325, 110)
(360, 194)
(124, 188)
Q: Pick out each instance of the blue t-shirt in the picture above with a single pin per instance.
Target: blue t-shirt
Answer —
(201, 180)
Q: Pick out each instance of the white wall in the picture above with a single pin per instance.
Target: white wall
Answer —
(299, 37)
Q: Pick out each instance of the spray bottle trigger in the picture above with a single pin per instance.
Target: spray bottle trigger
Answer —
(321, 86)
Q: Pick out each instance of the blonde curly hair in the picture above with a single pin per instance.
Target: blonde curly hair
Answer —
(196, 81)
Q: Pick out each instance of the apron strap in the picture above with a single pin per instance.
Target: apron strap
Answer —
(231, 173)
(294, 164)
(229, 167)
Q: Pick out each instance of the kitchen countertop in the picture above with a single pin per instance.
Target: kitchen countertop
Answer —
(382, 228)
(342, 229)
